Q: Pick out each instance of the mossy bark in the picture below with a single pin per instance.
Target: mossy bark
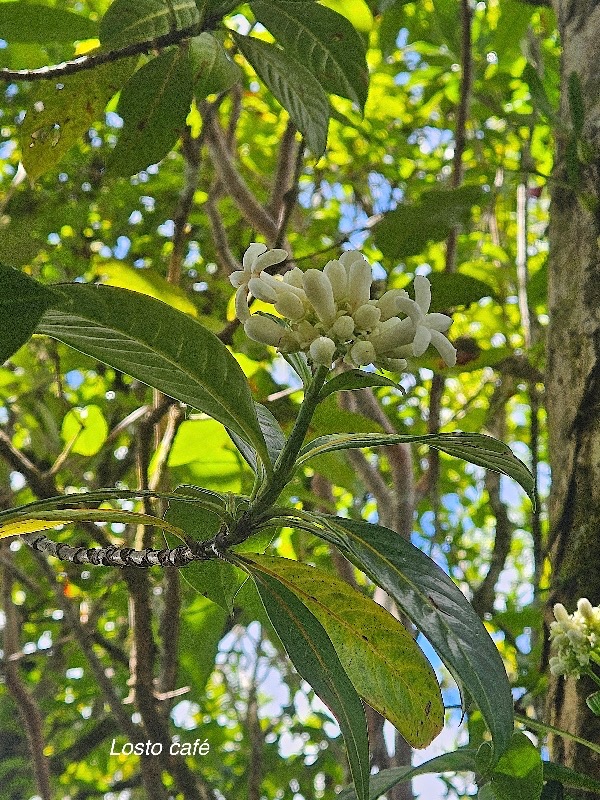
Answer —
(573, 366)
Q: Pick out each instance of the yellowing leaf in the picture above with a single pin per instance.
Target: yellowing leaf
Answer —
(145, 281)
(19, 527)
(87, 428)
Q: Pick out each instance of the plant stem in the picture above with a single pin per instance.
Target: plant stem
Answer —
(286, 463)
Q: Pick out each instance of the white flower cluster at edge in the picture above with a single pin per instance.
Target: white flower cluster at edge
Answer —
(329, 313)
(576, 638)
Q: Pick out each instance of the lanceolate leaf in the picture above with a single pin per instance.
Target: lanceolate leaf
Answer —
(59, 114)
(49, 519)
(438, 608)
(381, 658)
(30, 22)
(294, 86)
(154, 105)
(473, 447)
(161, 347)
(23, 302)
(315, 658)
(322, 40)
(519, 772)
(212, 70)
(569, 777)
(126, 22)
(462, 760)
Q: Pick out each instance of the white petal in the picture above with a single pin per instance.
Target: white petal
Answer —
(388, 302)
(262, 291)
(269, 258)
(437, 322)
(422, 293)
(360, 278)
(264, 330)
(252, 253)
(338, 278)
(408, 306)
(444, 347)
(421, 340)
(349, 257)
(343, 328)
(239, 278)
(367, 316)
(294, 277)
(362, 353)
(242, 311)
(289, 305)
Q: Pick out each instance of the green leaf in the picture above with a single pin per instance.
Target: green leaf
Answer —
(294, 86)
(473, 447)
(126, 22)
(455, 290)
(323, 41)
(29, 22)
(60, 113)
(87, 428)
(438, 608)
(154, 105)
(159, 346)
(274, 437)
(408, 229)
(356, 379)
(541, 101)
(315, 658)
(381, 658)
(23, 302)
(462, 760)
(593, 703)
(569, 777)
(519, 773)
(202, 627)
(212, 69)
(144, 280)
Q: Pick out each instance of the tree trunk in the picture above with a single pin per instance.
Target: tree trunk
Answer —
(573, 371)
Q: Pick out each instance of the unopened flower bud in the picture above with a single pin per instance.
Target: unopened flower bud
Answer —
(362, 353)
(366, 317)
(360, 278)
(343, 328)
(338, 277)
(320, 294)
(294, 277)
(264, 330)
(560, 613)
(348, 258)
(586, 609)
(322, 350)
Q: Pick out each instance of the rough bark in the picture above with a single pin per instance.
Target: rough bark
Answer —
(573, 368)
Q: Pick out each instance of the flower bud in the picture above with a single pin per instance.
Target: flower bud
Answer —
(342, 328)
(294, 277)
(322, 350)
(362, 353)
(264, 330)
(586, 609)
(359, 282)
(366, 317)
(320, 294)
(338, 278)
(560, 613)
(348, 258)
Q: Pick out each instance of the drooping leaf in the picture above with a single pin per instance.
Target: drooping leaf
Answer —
(408, 229)
(86, 428)
(274, 437)
(476, 448)
(60, 113)
(126, 22)
(519, 773)
(323, 41)
(438, 608)
(294, 86)
(23, 302)
(381, 658)
(462, 760)
(145, 280)
(315, 658)
(212, 69)
(30, 22)
(159, 346)
(154, 105)
(356, 379)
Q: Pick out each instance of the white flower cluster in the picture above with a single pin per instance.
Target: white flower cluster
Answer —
(576, 638)
(329, 313)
